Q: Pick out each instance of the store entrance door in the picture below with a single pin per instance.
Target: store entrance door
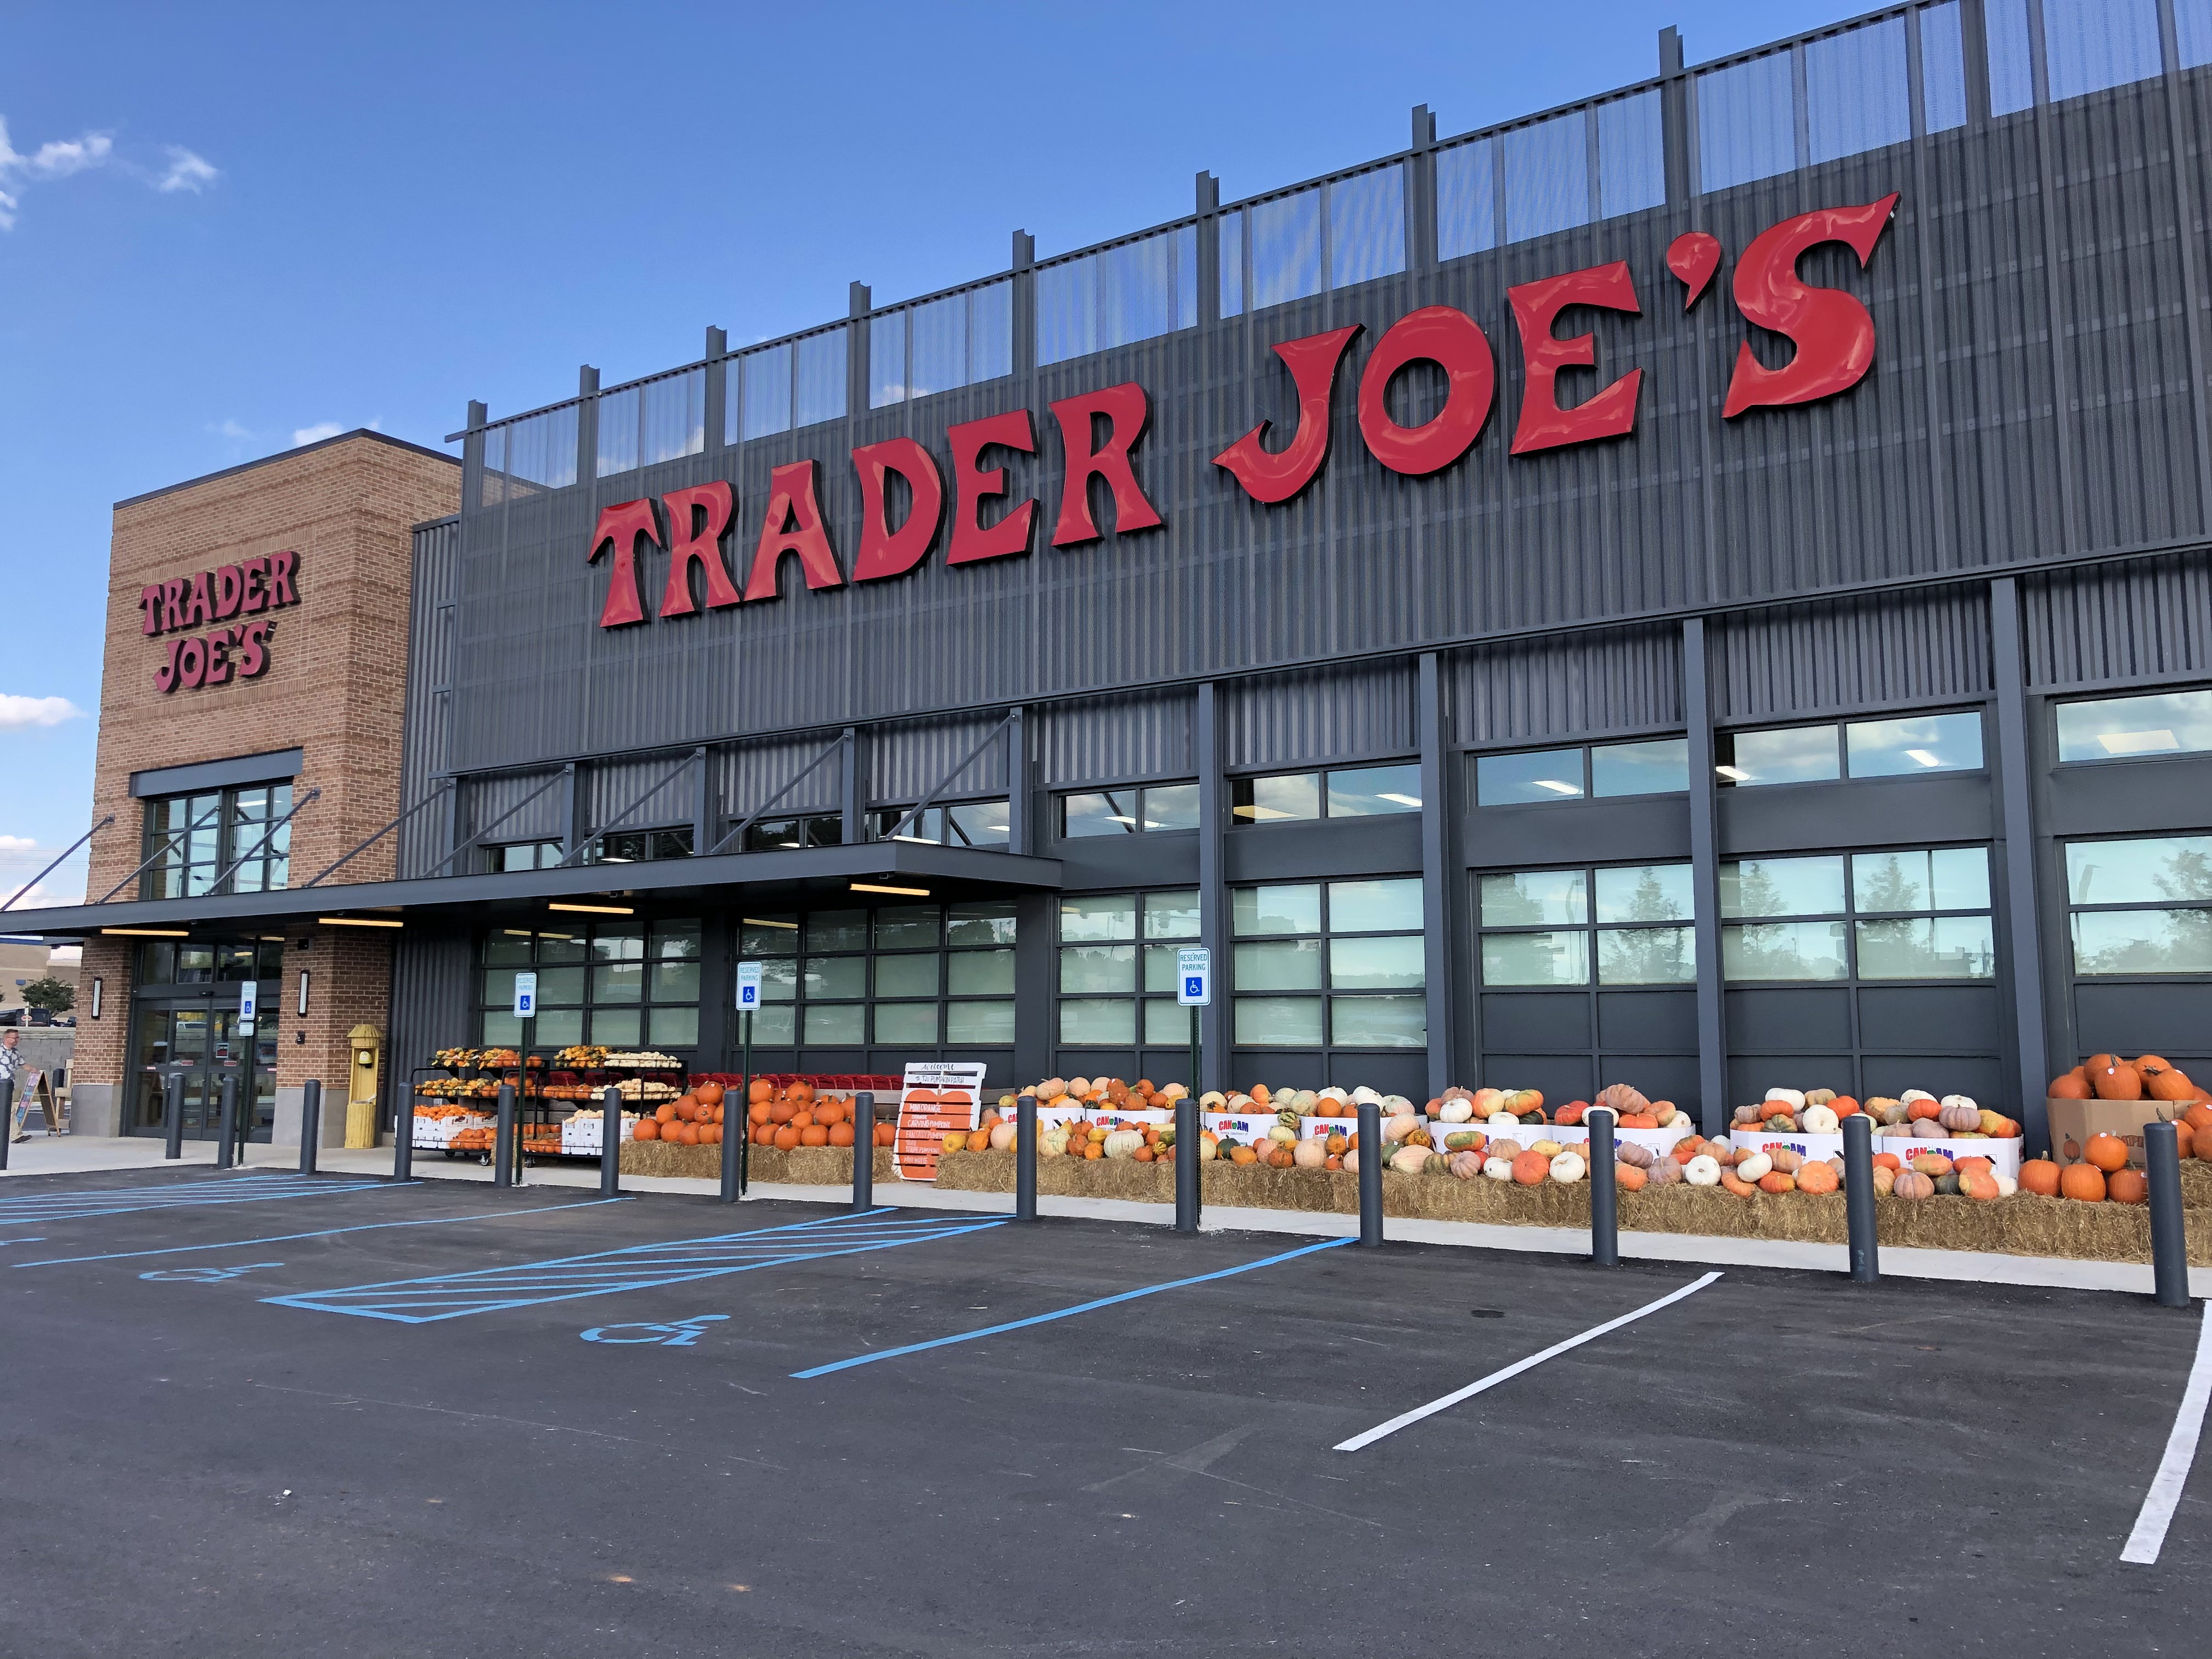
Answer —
(199, 1040)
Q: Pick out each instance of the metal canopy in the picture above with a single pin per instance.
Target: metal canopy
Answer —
(785, 875)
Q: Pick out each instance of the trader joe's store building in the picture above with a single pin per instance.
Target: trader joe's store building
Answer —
(1706, 588)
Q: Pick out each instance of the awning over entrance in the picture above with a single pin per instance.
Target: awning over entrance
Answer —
(787, 876)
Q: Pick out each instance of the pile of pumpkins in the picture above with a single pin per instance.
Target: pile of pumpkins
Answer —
(1914, 1115)
(793, 1115)
(1505, 1109)
(2103, 1174)
(1110, 1093)
(693, 1119)
(2107, 1077)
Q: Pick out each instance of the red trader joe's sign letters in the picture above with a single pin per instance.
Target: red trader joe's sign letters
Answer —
(1831, 333)
(250, 589)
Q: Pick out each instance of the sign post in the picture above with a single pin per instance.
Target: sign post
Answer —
(738, 1126)
(1194, 990)
(525, 1010)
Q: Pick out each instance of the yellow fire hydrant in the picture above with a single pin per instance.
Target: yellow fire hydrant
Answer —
(367, 1045)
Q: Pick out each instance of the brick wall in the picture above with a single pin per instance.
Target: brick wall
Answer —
(335, 689)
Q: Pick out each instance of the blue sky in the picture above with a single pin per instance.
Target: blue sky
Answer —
(224, 230)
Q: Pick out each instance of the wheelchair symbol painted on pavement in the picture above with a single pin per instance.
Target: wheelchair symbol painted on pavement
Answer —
(681, 1334)
(203, 1275)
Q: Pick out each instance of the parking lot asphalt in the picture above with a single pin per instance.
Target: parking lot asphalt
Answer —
(352, 1419)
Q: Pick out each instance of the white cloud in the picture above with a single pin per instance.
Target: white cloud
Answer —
(16, 843)
(231, 429)
(316, 433)
(17, 714)
(41, 898)
(186, 172)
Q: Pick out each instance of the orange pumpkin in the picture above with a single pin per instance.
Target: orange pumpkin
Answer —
(814, 1134)
(666, 1112)
(781, 1111)
(1776, 1181)
(2171, 1085)
(1843, 1106)
(1889, 1161)
(1629, 1178)
(1923, 1110)
(1818, 1177)
(1978, 1184)
(2081, 1181)
(2039, 1176)
(2114, 1078)
(2128, 1186)
(1529, 1168)
(1730, 1182)
(647, 1129)
(841, 1134)
(759, 1091)
(2069, 1086)
(2107, 1153)
(786, 1138)
(1639, 1120)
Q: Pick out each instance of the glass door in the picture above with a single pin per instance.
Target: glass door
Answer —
(203, 1044)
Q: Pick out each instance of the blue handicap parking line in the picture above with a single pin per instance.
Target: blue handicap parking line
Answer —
(180, 1196)
(637, 1267)
(326, 1232)
(1067, 1313)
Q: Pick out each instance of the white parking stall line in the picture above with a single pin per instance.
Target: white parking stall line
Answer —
(1518, 1366)
(2164, 1494)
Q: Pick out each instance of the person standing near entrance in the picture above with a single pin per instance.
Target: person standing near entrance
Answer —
(13, 1069)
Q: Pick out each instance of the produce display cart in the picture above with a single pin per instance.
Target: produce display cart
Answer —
(557, 1093)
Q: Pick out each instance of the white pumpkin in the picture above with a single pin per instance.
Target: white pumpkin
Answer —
(1175, 1092)
(1123, 1143)
(1334, 1094)
(1395, 1129)
(1364, 1095)
(1501, 1122)
(1053, 1146)
(1352, 1159)
(1912, 1095)
(1703, 1170)
(1498, 1169)
(1309, 1154)
(1456, 1111)
(1967, 1101)
(1396, 1104)
(1793, 1098)
(1820, 1121)
(1212, 1101)
(1410, 1160)
(1750, 1168)
(1569, 1167)
(1284, 1133)
(2006, 1185)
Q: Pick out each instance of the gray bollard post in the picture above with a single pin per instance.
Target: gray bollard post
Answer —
(1186, 1163)
(611, 1141)
(1371, 1160)
(227, 1124)
(1025, 1137)
(311, 1123)
(737, 1124)
(864, 1151)
(2169, 1243)
(173, 1114)
(1605, 1193)
(403, 1134)
(503, 1145)
(1859, 1197)
(7, 1117)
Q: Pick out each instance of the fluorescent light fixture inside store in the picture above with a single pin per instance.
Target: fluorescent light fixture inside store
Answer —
(763, 921)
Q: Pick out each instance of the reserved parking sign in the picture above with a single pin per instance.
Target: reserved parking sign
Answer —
(1193, 976)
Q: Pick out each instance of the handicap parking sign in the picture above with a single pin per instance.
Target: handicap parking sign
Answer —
(749, 986)
(1194, 972)
(526, 996)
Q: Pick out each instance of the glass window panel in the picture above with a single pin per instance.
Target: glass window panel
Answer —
(621, 982)
(1067, 310)
(2142, 942)
(836, 976)
(768, 936)
(1855, 92)
(941, 345)
(991, 331)
(672, 1027)
(775, 1027)
(837, 930)
(1547, 177)
(1367, 227)
(501, 1027)
(1793, 754)
(1170, 806)
(1530, 898)
(617, 1028)
(1942, 878)
(195, 964)
(1782, 887)
(1535, 958)
(1166, 1022)
(1369, 907)
(2095, 44)
(1942, 68)
(1273, 800)
(1746, 121)
(1370, 964)
(1279, 1021)
(542, 449)
(1138, 289)
(1534, 775)
(1466, 199)
(557, 1028)
(906, 1022)
(980, 922)
(1920, 743)
(907, 927)
(1233, 265)
(2164, 723)
(979, 1021)
(503, 948)
(1647, 955)
(1660, 766)
(837, 1023)
(886, 360)
(561, 947)
(673, 413)
(819, 394)
(1093, 968)
(1927, 947)
(2192, 22)
(499, 987)
(978, 823)
(1632, 155)
(566, 985)
(2166, 868)
(1651, 892)
(1285, 248)
(1378, 1021)
(617, 947)
(618, 432)
(1172, 914)
(2012, 71)
(979, 973)
(1098, 812)
(1784, 950)
(1106, 916)
(766, 389)
(1290, 965)
(1286, 909)
(1371, 791)
(912, 975)
(676, 941)
(780, 978)
(1160, 967)
(1108, 1021)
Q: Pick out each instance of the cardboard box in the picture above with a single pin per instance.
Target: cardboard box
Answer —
(2004, 1155)
(2073, 1121)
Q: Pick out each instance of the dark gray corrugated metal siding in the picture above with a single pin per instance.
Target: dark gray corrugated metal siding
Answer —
(908, 760)
(1149, 735)
(752, 775)
(640, 793)
(2120, 622)
(485, 799)
(1849, 653)
(1353, 713)
(433, 1004)
(426, 741)
(1568, 686)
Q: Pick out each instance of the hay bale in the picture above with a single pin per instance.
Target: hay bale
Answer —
(804, 1166)
(1120, 1178)
(2195, 1184)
